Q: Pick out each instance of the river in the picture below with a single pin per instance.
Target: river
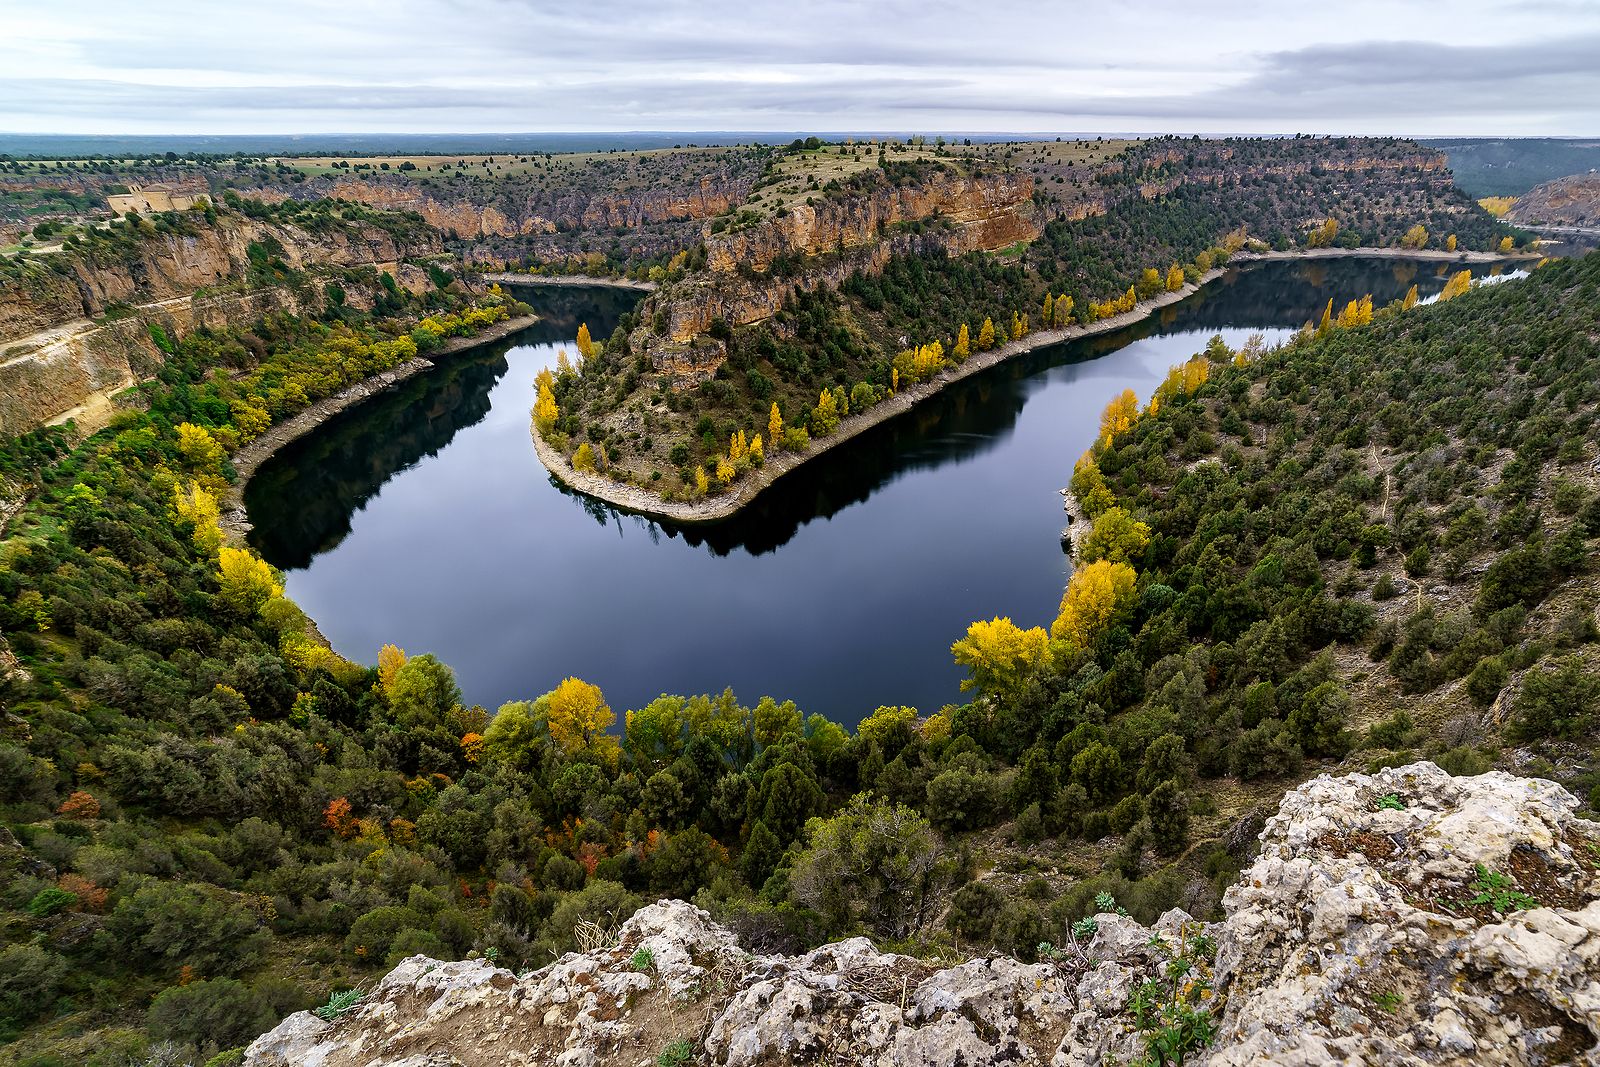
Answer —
(424, 518)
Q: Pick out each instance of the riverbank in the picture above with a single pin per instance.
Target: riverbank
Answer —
(587, 281)
(711, 509)
(1426, 254)
(641, 501)
(248, 459)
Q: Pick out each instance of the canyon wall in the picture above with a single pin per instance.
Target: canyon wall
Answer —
(75, 372)
(822, 244)
(63, 356)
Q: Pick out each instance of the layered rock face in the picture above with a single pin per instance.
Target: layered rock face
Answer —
(1573, 201)
(72, 372)
(514, 209)
(1359, 936)
(55, 363)
(166, 265)
(826, 242)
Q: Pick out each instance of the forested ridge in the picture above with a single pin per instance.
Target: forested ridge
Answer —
(669, 417)
(1371, 544)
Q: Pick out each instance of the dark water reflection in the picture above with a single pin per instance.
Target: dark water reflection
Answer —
(424, 518)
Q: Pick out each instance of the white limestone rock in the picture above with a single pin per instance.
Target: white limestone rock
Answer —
(1352, 939)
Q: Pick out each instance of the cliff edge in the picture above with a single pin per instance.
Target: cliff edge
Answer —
(1406, 917)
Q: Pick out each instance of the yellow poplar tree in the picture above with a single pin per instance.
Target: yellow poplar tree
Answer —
(1416, 237)
(390, 659)
(1174, 278)
(963, 345)
(726, 471)
(738, 448)
(1458, 284)
(1089, 486)
(1000, 656)
(1149, 282)
(1063, 310)
(1450, 243)
(825, 418)
(579, 717)
(199, 508)
(1357, 312)
(1410, 300)
(986, 335)
(1322, 236)
(245, 581)
(1119, 415)
(586, 346)
(1047, 314)
(583, 458)
(545, 411)
(199, 449)
(702, 481)
(758, 454)
(775, 425)
(1096, 597)
(1115, 536)
(1327, 318)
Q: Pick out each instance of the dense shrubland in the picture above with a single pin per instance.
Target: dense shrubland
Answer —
(1349, 546)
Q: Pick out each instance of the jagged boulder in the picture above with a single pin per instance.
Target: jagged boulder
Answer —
(1407, 917)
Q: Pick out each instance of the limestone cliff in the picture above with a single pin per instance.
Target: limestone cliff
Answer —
(1573, 201)
(159, 265)
(752, 271)
(516, 215)
(1361, 935)
(62, 356)
(73, 371)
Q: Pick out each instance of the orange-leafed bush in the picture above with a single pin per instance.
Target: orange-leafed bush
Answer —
(80, 805)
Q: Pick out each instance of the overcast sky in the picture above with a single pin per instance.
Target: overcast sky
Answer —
(1251, 66)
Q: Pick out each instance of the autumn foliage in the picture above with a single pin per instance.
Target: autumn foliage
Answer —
(80, 805)
(338, 818)
(1096, 597)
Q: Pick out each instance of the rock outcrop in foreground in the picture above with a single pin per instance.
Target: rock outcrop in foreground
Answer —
(1363, 934)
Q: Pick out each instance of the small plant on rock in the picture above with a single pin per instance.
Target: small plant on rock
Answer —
(338, 1004)
(1391, 802)
(676, 1054)
(1498, 891)
(642, 960)
(1171, 1010)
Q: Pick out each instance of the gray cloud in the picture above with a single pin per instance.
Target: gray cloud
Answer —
(462, 65)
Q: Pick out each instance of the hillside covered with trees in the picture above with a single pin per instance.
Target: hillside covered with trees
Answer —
(1373, 543)
(765, 334)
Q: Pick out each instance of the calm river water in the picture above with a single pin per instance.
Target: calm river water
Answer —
(424, 518)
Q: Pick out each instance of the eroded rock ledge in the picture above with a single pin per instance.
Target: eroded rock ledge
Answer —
(1352, 939)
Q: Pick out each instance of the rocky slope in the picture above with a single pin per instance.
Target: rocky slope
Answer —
(161, 265)
(62, 357)
(1362, 934)
(1571, 201)
(822, 243)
